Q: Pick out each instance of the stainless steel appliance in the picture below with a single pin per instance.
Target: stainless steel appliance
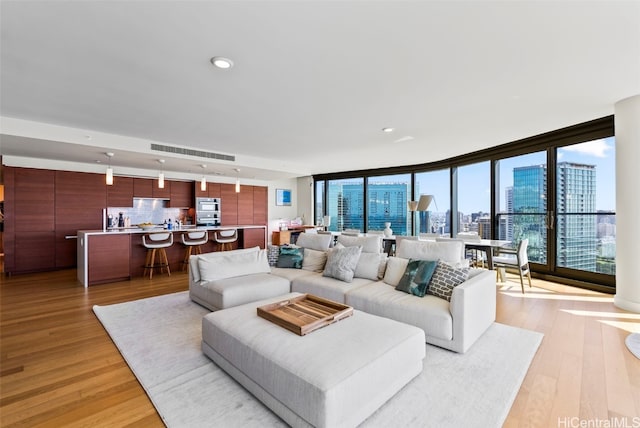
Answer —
(208, 211)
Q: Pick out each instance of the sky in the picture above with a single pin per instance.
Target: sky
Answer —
(474, 180)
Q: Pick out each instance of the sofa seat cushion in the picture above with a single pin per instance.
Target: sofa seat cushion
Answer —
(429, 313)
(326, 287)
(290, 274)
(229, 292)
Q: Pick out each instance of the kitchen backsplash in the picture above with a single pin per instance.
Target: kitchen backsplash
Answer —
(148, 211)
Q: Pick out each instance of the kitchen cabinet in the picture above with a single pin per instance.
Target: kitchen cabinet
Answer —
(245, 205)
(108, 258)
(120, 194)
(212, 191)
(253, 238)
(164, 193)
(29, 229)
(229, 204)
(182, 194)
(260, 201)
(142, 188)
(80, 199)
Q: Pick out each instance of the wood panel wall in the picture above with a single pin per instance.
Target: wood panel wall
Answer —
(43, 206)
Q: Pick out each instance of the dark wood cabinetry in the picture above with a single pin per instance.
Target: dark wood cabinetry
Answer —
(260, 201)
(109, 257)
(182, 194)
(29, 232)
(253, 238)
(120, 194)
(245, 205)
(142, 188)
(228, 204)
(164, 193)
(44, 209)
(212, 191)
(79, 200)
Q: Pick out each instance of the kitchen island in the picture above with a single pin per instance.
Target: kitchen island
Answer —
(110, 255)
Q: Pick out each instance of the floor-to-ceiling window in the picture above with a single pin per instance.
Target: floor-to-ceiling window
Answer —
(585, 224)
(387, 198)
(436, 218)
(522, 201)
(345, 203)
(474, 198)
(319, 202)
(556, 189)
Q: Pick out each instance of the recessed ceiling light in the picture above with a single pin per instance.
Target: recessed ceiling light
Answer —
(387, 129)
(221, 62)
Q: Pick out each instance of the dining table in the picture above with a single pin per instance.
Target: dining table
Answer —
(489, 246)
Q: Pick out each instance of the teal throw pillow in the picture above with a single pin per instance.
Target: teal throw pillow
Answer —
(417, 276)
(290, 257)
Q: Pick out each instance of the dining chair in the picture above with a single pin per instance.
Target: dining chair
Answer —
(476, 256)
(515, 259)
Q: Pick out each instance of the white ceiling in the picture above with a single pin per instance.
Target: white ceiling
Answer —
(313, 82)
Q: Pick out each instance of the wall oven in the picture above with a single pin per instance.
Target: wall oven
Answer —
(208, 211)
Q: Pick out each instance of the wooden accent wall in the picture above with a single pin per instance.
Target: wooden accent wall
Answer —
(79, 200)
(43, 206)
(120, 194)
(229, 204)
(30, 219)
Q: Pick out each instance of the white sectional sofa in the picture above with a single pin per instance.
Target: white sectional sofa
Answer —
(455, 324)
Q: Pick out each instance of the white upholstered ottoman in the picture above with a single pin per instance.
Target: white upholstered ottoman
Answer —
(336, 376)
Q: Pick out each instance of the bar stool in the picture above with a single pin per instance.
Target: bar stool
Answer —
(192, 241)
(225, 238)
(157, 242)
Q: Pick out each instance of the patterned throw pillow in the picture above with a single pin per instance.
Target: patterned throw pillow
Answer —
(417, 276)
(290, 257)
(342, 263)
(445, 278)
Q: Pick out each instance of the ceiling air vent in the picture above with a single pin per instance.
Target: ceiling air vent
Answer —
(198, 153)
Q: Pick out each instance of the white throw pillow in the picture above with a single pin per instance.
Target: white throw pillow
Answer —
(395, 270)
(447, 251)
(369, 244)
(232, 265)
(370, 266)
(314, 260)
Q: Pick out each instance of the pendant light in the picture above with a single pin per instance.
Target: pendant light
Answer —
(109, 173)
(203, 180)
(237, 180)
(161, 174)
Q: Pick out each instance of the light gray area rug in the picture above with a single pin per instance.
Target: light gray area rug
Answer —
(159, 337)
(633, 343)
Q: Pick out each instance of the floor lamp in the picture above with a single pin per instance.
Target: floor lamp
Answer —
(423, 206)
(413, 206)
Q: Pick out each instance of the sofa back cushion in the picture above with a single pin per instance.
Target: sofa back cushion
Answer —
(395, 270)
(448, 251)
(314, 241)
(194, 270)
(314, 260)
(369, 244)
(227, 264)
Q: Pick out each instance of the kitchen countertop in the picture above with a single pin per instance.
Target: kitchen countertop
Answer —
(185, 228)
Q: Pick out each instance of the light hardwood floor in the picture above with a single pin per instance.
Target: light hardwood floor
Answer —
(60, 368)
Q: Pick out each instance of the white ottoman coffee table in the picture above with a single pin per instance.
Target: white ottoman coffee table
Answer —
(336, 376)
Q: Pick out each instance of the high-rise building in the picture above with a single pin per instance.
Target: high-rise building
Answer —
(530, 208)
(575, 225)
(576, 234)
(387, 202)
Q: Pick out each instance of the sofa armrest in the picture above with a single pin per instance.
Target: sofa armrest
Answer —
(473, 309)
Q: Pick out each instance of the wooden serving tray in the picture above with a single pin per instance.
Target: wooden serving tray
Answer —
(304, 314)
